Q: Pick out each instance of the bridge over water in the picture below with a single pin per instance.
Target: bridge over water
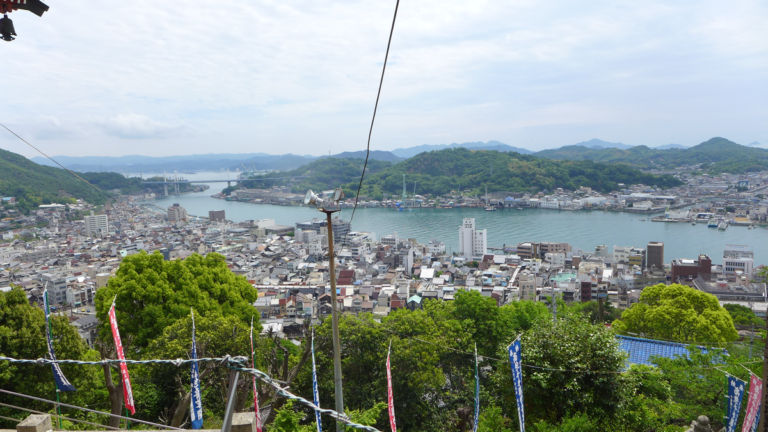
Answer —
(176, 182)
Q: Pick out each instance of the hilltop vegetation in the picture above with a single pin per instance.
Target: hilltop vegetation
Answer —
(715, 155)
(32, 184)
(440, 172)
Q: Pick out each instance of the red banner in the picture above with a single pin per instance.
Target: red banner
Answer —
(255, 390)
(753, 403)
(390, 398)
(127, 393)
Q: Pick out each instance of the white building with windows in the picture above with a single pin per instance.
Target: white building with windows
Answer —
(436, 247)
(472, 242)
(738, 259)
(177, 213)
(527, 283)
(96, 224)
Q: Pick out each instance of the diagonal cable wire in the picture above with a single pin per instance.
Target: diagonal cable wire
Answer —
(56, 162)
(59, 416)
(375, 108)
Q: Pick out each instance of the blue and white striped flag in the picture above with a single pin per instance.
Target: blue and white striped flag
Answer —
(515, 361)
(196, 409)
(61, 381)
(315, 393)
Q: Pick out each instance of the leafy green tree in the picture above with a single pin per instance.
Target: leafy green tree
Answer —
(743, 315)
(492, 420)
(23, 336)
(151, 294)
(578, 365)
(677, 312)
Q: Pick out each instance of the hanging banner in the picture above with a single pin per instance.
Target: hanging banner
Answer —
(61, 381)
(753, 404)
(517, 380)
(315, 392)
(390, 398)
(256, 409)
(735, 395)
(757, 418)
(477, 394)
(196, 408)
(127, 392)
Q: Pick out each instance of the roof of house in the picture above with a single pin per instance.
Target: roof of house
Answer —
(641, 350)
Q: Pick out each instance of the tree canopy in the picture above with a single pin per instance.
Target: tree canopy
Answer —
(679, 313)
(151, 294)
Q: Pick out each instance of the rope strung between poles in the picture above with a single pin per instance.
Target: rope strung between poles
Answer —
(237, 363)
(58, 416)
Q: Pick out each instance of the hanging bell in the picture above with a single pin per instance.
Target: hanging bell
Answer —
(6, 29)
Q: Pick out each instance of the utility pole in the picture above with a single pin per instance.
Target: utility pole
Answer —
(310, 199)
(335, 323)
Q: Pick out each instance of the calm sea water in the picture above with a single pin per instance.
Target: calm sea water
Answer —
(582, 229)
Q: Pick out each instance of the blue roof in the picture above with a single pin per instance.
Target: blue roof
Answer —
(641, 350)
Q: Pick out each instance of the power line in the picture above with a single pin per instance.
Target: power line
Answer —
(375, 108)
(59, 416)
(56, 162)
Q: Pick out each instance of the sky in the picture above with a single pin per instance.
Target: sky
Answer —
(164, 78)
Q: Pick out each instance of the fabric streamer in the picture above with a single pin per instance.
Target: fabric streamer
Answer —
(127, 392)
(62, 383)
(256, 410)
(390, 397)
(515, 361)
(735, 395)
(752, 414)
(315, 392)
(477, 394)
(196, 403)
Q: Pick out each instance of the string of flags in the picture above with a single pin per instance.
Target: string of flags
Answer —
(735, 395)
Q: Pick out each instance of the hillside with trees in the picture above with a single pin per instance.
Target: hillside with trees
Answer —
(440, 172)
(716, 155)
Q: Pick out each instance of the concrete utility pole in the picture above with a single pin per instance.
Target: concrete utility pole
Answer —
(762, 425)
(312, 199)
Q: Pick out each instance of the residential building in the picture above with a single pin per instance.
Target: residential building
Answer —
(38, 254)
(177, 213)
(654, 257)
(688, 269)
(96, 224)
(472, 242)
(738, 259)
(527, 284)
(436, 247)
(216, 216)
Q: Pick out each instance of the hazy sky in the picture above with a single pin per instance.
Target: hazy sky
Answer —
(170, 77)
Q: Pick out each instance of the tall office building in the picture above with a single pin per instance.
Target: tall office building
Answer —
(96, 224)
(527, 284)
(654, 256)
(472, 242)
(177, 213)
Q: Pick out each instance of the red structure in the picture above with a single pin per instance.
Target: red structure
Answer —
(688, 270)
(35, 6)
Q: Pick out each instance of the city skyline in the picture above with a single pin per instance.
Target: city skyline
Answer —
(262, 76)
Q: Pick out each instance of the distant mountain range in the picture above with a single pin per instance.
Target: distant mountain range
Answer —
(666, 156)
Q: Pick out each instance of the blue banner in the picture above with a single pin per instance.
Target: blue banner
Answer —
(61, 381)
(196, 408)
(757, 419)
(517, 380)
(315, 392)
(735, 395)
(477, 394)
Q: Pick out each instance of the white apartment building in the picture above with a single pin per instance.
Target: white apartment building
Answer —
(553, 204)
(738, 259)
(177, 213)
(472, 243)
(527, 284)
(390, 240)
(96, 224)
(436, 247)
(556, 260)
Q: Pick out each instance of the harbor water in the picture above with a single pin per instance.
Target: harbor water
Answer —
(583, 229)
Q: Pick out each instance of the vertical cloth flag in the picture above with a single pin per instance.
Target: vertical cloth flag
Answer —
(517, 380)
(752, 414)
(390, 398)
(196, 403)
(477, 395)
(315, 392)
(127, 391)
(256, 409)
(61, 381)
(735, 395)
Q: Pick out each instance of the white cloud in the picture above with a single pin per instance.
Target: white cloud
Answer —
(137, 126)
(302, 76)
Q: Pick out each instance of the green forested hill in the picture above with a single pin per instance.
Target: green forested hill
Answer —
(716, 155)
(34, 184)
(439, 172)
